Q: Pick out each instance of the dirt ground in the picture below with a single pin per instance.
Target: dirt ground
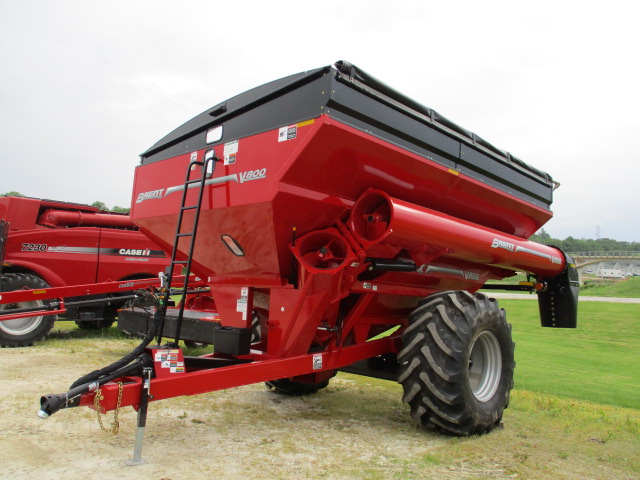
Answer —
(245, 432)
(348, 430)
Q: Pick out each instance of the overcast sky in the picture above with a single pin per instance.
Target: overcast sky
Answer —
(87, 86)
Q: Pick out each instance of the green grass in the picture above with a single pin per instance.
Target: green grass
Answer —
(550, 437)
(515, 280)
(518, 277)
(629, 288)
(597, 362)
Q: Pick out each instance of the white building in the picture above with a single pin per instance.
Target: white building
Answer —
(609, 272)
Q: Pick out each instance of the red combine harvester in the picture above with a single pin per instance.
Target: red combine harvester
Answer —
(339, 226)
(47, 243)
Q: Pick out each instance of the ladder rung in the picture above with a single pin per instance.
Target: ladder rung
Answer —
(198, 183)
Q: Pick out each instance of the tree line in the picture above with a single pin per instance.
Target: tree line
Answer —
(575, 245)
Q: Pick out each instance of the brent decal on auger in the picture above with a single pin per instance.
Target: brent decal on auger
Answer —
(497, 243)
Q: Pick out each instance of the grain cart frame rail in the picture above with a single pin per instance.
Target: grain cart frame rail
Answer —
(54, 300)
(341, 225)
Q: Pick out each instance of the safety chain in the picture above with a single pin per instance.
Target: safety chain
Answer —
(115, 425)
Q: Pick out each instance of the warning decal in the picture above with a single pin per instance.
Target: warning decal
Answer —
(317, 361)
(166, 355)
(287, 133)
(241, 303)
(230, 152)
(170, 359)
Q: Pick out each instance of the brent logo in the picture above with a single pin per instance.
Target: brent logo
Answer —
(149, 195)
(497, 243)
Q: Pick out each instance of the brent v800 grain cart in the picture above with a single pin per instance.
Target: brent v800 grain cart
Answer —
(331, 209)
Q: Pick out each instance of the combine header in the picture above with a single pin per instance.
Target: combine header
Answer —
(339, 225)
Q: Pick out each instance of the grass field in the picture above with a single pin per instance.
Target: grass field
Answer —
(598, 361)
(629, 288)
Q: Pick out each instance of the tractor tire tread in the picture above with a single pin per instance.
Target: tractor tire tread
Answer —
(435, 362)
(18, 281)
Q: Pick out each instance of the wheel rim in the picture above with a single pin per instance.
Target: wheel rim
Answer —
(21, 326)
(485, 366)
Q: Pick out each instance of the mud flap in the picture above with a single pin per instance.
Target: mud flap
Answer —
(559, 302)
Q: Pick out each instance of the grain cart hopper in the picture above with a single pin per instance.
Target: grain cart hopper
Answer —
(341, 225)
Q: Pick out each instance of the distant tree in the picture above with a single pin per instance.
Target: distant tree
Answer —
(543, 234)
(12, 194)
(101, 206)
(575, 245)
(570, 244)
(118, 209)
(541, 237)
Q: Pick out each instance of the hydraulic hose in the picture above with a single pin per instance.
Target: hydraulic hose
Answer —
(136, 352)
(49, 404)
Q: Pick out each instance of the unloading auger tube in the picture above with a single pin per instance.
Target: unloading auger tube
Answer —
(132, 363)
(379, 218)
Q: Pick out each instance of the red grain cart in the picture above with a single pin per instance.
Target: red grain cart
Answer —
(48, 243)
(340, 225)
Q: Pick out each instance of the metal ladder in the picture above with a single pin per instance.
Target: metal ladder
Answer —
(198, 183)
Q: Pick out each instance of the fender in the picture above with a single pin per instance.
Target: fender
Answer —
(558, 304)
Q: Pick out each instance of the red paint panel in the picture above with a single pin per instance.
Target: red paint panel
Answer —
(307, 183)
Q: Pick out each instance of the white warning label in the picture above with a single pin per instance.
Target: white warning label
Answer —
(287, 133)
(230, 152)
(242, 302)
(317, 361)
(166, 355)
